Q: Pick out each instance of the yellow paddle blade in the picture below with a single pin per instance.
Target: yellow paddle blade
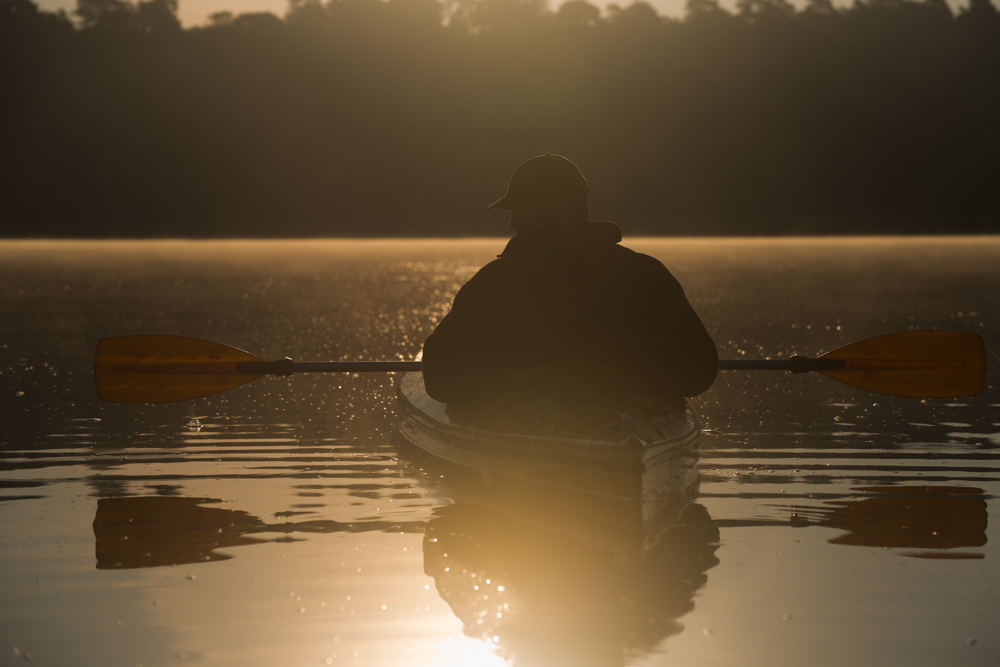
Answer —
(916, 364)
(163, 369)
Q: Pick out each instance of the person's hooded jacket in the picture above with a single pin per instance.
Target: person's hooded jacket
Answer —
(568, 294)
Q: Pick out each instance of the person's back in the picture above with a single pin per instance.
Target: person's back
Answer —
(564, 292)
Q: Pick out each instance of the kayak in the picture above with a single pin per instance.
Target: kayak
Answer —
(576, 435)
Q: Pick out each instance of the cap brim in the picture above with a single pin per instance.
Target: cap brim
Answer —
(502, 204)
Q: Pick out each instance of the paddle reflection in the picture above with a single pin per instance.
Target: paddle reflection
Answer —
(932, 519)
(153, 531)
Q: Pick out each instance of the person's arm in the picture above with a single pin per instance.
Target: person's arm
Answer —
(687, 354)
(457, 349)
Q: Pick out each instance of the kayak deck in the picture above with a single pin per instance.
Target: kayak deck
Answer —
(579, 434)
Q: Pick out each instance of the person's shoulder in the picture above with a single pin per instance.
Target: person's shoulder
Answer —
(490, 278)
(650, 270)
(495, 270)
(641, 260)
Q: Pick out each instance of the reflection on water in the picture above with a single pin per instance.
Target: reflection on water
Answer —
(152, 531)
(542, 596)
(285, 523)
(547, 599)
(920, 517)
(555, 577)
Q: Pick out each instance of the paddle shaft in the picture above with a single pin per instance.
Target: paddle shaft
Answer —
(162, 369)
(794, 364)
(286, 367)
(755, 365)
(354, 366)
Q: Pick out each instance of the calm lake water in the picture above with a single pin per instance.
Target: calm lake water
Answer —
(285, 523)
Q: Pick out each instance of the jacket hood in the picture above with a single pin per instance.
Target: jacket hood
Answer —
(587, 235)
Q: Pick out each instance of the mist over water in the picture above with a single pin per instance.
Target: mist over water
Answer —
(286, 522)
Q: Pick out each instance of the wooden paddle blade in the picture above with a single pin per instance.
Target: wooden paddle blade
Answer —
(916, 364)
(164, 369)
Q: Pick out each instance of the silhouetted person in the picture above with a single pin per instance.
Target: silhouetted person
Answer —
(564, 294)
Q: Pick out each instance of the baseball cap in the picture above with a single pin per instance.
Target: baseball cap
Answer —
(542, 174)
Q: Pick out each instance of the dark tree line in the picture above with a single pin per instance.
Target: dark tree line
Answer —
(405, 117)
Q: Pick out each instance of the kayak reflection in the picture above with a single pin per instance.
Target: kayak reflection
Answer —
(153, 531)
(547, 599)
(554, 578)
(933, 519)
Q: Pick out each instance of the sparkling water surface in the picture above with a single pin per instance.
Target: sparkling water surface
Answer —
(287, 523)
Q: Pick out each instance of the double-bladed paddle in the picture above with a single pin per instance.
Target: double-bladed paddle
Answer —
(163, 369)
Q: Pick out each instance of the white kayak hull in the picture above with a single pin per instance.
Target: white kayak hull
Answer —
(584, 436)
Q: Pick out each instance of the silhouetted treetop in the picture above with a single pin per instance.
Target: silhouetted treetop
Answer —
(150, 16)
(637, 16)
(981, 15)
(578, 14)
(754, 11)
